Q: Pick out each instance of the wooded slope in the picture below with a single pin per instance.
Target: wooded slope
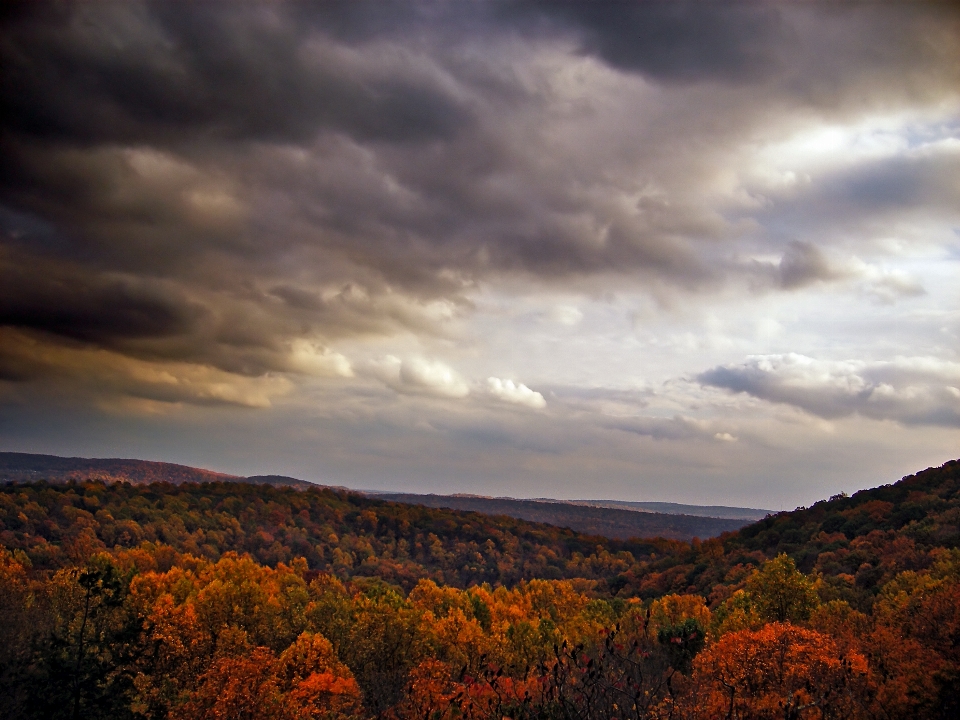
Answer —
(592, 520)
(131, 602)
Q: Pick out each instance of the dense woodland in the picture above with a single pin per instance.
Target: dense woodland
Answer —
(584, 517)
(611, 522)
(230, 600)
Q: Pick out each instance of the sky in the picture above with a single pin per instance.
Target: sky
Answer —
(681, 251)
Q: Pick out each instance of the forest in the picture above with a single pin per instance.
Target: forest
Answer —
(235, 600)
(583, 517)
(611, 522)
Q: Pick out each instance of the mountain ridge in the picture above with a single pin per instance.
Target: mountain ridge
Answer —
(874, 577)
(584, 517)
(618, 523)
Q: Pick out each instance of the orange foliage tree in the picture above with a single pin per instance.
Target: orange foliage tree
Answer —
(779, 671)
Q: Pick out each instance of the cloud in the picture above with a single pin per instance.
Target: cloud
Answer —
(101, 375)
(677, 427)
(417, 376)
(234, 72)
(802, 264)
(107, 308)
(911, 391)
(887, 285)
(233, 205)
(519, 394)
(676, 41)
(566, 315)
(313, 359)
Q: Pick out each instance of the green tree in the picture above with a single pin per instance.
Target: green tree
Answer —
(683, 641)
(85, 667)
(781, 593)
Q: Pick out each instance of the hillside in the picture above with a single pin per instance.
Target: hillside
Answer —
(345, 533)
(855, 543)
(233, 599)
(611, 522)
(712, 511)
(583, 517)
(28, 467)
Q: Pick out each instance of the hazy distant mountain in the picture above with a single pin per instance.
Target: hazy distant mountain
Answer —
(26, 467)
(609, 518)
(716, 511)
(612, 522)
(281, 480)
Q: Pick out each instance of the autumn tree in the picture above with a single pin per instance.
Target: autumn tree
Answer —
(379, 639)
(915, 645)
(315, 683)
(239, 688)
(779, 671)
(26, 619)
(672, 610)
(431, 694)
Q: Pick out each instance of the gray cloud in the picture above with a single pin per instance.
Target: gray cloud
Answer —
(675, 41)
(802, 263)
(864, 196)
(675, 428)
(132, 72)
(913, 391)
(224, 185)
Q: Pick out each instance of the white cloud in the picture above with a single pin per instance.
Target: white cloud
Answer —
(312, 359)
(417, 375)
(887, 285)
(566, 315)
(518, 394)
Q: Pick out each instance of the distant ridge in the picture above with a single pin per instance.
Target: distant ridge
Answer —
(612, 522)
(612, 519)
(727, 512)
(718, 511)
(28, 467)
(282, 481)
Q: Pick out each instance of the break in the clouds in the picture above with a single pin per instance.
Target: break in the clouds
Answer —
(462, 246)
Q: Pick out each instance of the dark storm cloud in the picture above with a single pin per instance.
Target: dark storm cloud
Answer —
(84, 307)
(208, 82)
(226, 184)
(130, 73)
(674, 41)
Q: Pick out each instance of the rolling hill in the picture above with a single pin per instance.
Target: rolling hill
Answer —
(231, 588)
(612, 522)
(28, 467)
(669, 508)
(615, 520)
